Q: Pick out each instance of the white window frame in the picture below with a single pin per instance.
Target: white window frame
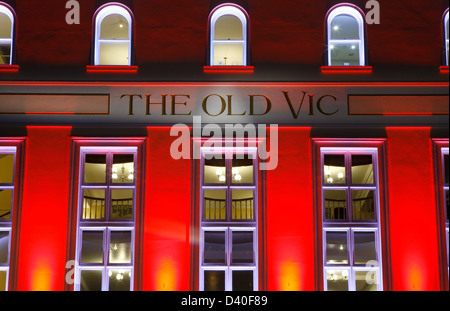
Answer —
(348, 10)
(103, 12)
(352, 227)
(218, 13)
(4, 9)
(445, 188)
(446, 37)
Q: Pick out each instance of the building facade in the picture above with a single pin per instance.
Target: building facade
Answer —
(224, 145)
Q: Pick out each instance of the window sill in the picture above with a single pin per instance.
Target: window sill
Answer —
(9, 68)
(111, 69)
(443, 69)
(347, 69)
(228, 69)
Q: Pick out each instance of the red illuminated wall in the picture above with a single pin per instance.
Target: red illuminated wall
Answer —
(44, 220)
(290, 220)
(414, 251)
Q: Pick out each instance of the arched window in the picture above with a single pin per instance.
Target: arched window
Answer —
(228, 36)
(446, 42)
(346, 37)
(6, 34)
(113, 35)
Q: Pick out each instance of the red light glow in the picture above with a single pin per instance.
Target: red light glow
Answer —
(111, 69)
(9, 68)
(346, 69)
(228, 69)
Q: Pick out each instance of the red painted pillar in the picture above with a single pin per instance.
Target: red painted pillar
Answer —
(44, 222)
(290, 218)
(167, 212)
(414, 251)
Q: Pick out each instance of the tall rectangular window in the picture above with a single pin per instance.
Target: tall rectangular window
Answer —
(228, 220)
(445, 192)
(350, 219)
(106, 219)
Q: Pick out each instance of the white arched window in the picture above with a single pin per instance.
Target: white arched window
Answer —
(228, 36)
(447, 57)
(113, 34)
(346, 39)
(6, 34)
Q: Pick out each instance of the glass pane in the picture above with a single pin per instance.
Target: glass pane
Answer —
(447, 199)
(214, 205)
(242, 170)
(446, 168)
(228, 27)
(228, 54)
(114, 26)
(5, 53)
(242, 206)
(6, 168)
(336, 248)
(4, 247)
(95, 168)
(120, 247)
(335, 205)
(123, 168)
(5, 204)
(114, 54)
(215, 172)
(214, 247)
(214, 280)
(242, 250)
(91, 280)
(122, 203)
(243, 281)
(119, 280)
(92, 247)
(366, 280)
(5, 26)
(337, 280)
(93, 204)
(3, 280)
(363, 205)
(343, 27)
(362, 169)
(334, 169)
(344, 53)
(364, 247)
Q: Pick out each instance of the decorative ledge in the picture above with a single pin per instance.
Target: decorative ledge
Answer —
(443, 69)
(228, 69)
(9, 68)
(347, 69)
(111, 69)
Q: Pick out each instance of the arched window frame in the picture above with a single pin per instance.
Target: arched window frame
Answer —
(352, 10)
(100, 15)
(6, 9)
(445, 20)
(228, 9)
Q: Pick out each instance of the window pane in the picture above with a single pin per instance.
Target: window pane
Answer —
(114, 26)
(363, 205)
(336, 252)
(92, 247)
(337, 280)
(214, 171)
(364, 247)
(362, 169)
(334, 169)
(228, 54)
(242, 169)
(228, 27)
(95, 168)
(335, 205)
(112, 53)
(446, 168)
(214, 280)
(4, 247)
(214, 247)
(242, 206)
(6, 168)
(5, 26)
(5, 204)
(366, 280)
(447, 202)
(3, 280)
(93, 204)
(119, 280)
(242, 250)
(243, 281)
(120, 247)
(344, 53)
(122, 203)
(123, 168)
(344, 27)
(91, 280)
(214, 205)
(5, 53)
